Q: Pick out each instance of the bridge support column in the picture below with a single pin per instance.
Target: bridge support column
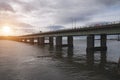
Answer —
(40, 41)
(31, 40)
(21, 40)
(90, 50)
(25, 40)
(51, 41)
(70, 52)
(70, 41)
(59, 41)
(118, 37)
(104, 49)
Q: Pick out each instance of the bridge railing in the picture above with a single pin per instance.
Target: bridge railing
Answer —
(81, 28)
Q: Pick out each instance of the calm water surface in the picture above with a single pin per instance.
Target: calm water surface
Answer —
(20, 61)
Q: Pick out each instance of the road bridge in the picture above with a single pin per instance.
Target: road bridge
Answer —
(90, 32)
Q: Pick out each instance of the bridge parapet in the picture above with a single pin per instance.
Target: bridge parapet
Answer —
(98, 29)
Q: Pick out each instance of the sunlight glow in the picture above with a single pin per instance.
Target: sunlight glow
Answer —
(6, 30)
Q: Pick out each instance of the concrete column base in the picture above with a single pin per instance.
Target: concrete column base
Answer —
(40, 41)
(70, 41)
(51, 41)
(31, 41)
(59, 41)
(90, 50)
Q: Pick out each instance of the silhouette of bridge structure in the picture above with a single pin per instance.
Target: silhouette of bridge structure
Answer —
(90, 32)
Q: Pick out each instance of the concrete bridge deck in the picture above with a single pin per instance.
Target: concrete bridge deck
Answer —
(108, 29)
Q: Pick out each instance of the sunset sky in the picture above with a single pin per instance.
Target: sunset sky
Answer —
(32, 16)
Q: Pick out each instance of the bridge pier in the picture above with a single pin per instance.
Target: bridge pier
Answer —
(21, 40)
(104, 49)
(51, 41)
(31, 40)
(70, 41)
(59, 41)
(40, 41)
(25, 40)
(118, 37)
(70, 52)
(91, 49)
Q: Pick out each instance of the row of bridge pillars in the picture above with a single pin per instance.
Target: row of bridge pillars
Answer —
(41, 41)
(69, 41)
(90, 50)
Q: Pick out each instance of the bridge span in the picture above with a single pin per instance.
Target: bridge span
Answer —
(90, 32)
(108, 29)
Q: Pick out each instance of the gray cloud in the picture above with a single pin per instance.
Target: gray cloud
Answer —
(24, 25)
(26, 30)
(82, 11)
(5, 7)
(26, 6)
(62, 11)
(46, 12)
(74, 17)
(55, 27)
(109, 2)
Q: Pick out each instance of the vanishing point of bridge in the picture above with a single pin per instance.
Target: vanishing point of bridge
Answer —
(90, 32)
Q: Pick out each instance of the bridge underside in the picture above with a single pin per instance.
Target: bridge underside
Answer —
(90, 50)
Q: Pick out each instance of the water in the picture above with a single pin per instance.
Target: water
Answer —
(20, 61)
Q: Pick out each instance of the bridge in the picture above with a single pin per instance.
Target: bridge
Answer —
(90, 32)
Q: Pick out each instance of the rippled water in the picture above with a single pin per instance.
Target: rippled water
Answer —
(20, 61)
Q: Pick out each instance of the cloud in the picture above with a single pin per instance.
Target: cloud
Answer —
(64, 11)
(67, 18)
(17, 26)
(5, 7)
(81, 11)
(26, 14)
(108, 2)
(55, 27)
(26, 31)
(24, 25)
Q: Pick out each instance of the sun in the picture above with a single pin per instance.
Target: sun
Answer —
(6, 30)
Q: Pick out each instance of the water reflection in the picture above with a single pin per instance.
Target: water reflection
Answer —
(21, 61)
(76, 62)
(70, 52)
(103, 59)
(58, 52)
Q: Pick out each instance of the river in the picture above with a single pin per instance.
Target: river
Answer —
(21, 61)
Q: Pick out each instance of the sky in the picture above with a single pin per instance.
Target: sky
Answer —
(33, 16)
